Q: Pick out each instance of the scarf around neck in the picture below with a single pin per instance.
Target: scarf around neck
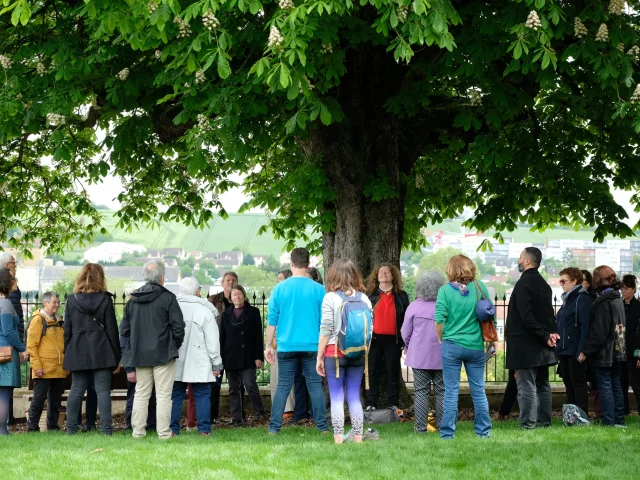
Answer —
(461, 287)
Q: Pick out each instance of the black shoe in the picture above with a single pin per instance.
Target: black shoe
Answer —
(236, 423)
(262, 416)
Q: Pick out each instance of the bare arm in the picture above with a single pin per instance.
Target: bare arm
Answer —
(271, 353)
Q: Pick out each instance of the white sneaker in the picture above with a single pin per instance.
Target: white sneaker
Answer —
(192, 429)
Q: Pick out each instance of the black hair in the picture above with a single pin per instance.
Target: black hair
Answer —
(6, 281)
(286, 273)
(300, 257)
(315, 275)
(630, 281)
(535, 255)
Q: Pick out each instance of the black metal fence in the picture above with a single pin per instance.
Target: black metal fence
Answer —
(495, 371)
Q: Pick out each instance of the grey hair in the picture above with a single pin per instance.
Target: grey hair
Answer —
(428, 285)
(153, 271)
(189, 286)
(5, 257)
(48, 296)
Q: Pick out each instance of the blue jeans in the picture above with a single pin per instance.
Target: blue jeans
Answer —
(202, 396)
(611, 397)
(453, 356)
(287, 365)
(6, 394)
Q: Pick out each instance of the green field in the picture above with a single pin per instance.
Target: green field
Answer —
(241, 230)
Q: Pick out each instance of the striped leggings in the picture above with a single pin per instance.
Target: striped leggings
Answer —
(422, 381)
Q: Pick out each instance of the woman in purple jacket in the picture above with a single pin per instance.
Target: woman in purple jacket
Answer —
(423, 348)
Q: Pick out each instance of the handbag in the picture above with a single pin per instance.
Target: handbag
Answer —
(383, 415)
(485, 311)
(6, 354)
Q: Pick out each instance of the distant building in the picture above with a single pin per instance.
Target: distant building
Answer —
(174, 252)
(234, 255)
(153, 254)
(226, 262)
(260, 259)
(171, 262)
(626, 261)
(195, 254)
(211, 256)
(285, 258)
(111, 252)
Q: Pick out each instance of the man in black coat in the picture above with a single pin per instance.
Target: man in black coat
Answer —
(154, 327)
(531, 338)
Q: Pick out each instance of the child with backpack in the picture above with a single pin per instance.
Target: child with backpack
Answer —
(345, 336)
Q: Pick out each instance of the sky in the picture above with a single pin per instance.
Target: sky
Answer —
(107, 192)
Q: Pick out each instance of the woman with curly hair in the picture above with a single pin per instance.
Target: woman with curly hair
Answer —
(605, 345)
(390, 302)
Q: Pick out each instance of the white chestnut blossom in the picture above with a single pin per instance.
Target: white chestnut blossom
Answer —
(533, 21)
(275, 38)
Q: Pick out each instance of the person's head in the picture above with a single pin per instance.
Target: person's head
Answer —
(569, 278)
(587, 279)
(299, 259)
(8, 282)
(343, 275)
(154, 271)
(428, 284)
(90, 279)
(604, 277)
(461, 269)
(629, 287)
(229, 280)
(314, 274)
(531, 257)
(283, 275)
(51, 303)
(238, 296)
(7, 261)
(385, 273)
(189, 286)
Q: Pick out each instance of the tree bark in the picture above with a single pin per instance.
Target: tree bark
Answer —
(363, 157)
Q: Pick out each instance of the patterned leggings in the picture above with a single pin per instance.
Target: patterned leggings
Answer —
(422, 381)
(351, 371)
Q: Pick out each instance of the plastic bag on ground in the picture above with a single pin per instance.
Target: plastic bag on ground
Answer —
(572, 416)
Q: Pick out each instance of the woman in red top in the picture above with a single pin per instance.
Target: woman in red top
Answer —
(384, 287)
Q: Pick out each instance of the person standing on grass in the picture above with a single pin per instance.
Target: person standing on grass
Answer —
(390, 302)
(342, 277)
(199, 359)
(531, 337)
(154, 327)
(630, 370)
(90, 344)
(605, 344)
(45, 345)
(458, 328)
(242, 353)
(424, 353)
(273, 377)
(587, 284)
(9, 371)
(573, 328)
(221, 301)
(8, 262)
(295, 309)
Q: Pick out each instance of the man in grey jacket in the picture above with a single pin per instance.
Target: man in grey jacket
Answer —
(154, 327)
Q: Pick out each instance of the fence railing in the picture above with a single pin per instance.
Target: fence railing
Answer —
(495, 371)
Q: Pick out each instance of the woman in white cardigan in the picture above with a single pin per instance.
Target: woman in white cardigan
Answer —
(199, 359)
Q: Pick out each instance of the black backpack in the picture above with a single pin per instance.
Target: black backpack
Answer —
(45, 325)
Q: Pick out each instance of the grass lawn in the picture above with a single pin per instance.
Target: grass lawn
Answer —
(301, 452)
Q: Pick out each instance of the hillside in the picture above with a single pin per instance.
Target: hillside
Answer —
(241, 231)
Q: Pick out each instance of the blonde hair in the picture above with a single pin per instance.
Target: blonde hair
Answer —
(90, 279)
(461, 269)
(343, 275)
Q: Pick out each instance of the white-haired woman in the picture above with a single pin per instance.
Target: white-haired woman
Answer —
(423, 348)
(199, 360)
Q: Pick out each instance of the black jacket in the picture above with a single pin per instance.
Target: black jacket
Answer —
(573, 323)
(530, 321)
(401, 301)
(605, 343)
(241, 341)
(153, 325)
(15, 297)
(632, 337)
(90, 332)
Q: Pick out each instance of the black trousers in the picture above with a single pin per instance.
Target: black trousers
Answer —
(215, 397)
(236, 379)
(630, 377)
(510, 395)
(574, 376)
(385, 352)
(50, 389)
(151, 413)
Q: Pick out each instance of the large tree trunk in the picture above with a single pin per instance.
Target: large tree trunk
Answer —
(362, 156)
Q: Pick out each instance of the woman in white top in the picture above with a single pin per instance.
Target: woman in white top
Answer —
(343, 279)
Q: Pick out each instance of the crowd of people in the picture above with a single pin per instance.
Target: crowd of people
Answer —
(177, 347)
